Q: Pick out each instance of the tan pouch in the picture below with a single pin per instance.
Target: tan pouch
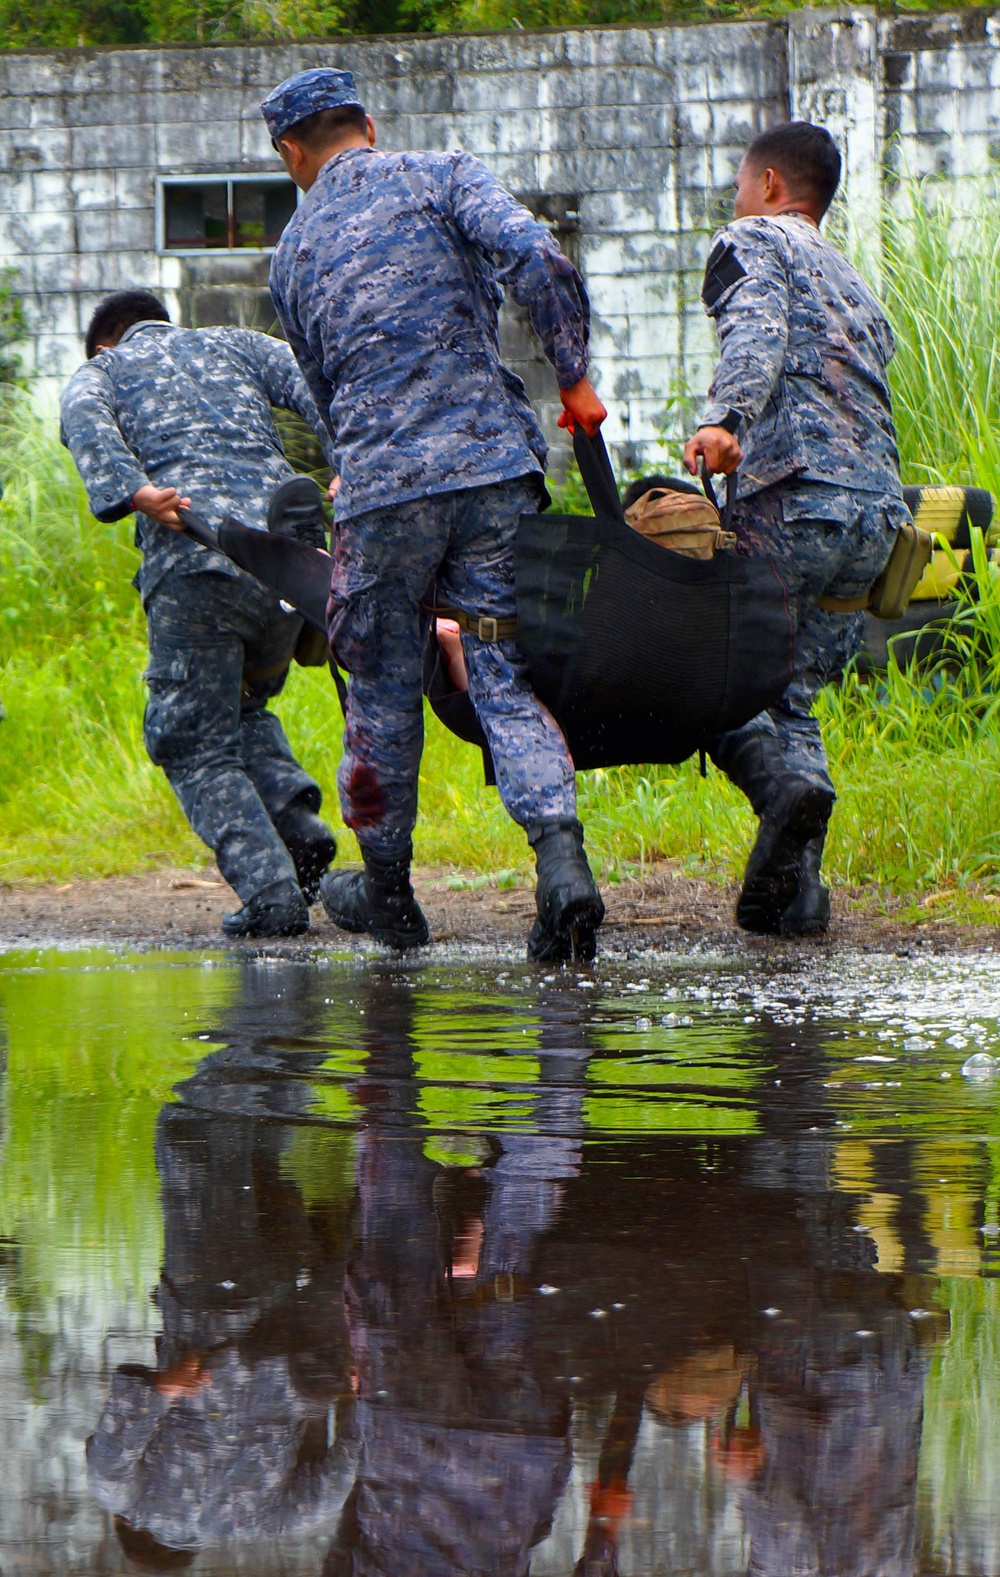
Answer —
(889, 597)
(910, 556)
(682, 522)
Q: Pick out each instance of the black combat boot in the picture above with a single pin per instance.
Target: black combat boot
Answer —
(296, 510)
(310, 843)
(280, 910)
(377, 899)
(808, 914)
(570, 908)
(794, 808)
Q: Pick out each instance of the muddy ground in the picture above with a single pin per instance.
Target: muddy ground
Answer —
(664, 908)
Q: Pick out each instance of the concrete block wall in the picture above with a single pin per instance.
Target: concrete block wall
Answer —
(637, 129)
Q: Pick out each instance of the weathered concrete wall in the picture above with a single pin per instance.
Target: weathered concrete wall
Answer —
(641, 129)
(637, 129)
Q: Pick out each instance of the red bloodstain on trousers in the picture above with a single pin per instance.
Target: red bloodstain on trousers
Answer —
(365, 798)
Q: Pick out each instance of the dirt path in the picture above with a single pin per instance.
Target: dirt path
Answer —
(180, 908)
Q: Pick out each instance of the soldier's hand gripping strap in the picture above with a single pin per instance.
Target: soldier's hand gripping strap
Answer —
(888, 597)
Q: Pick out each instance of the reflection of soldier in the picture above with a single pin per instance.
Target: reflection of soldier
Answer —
(750, 1307)
(157, 412)
(230, 1436)
(387, 282)
(836, 1395)
(462, 1439)
(802, 385)
(809, 1382)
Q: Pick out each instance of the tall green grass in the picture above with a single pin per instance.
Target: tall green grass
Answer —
(915, 756)
(939, 278)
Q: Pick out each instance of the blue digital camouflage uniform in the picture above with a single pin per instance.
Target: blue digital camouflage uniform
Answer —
(463, 1446)
(251, 1289)
(802, 382)
(388, 282)
(191, 408)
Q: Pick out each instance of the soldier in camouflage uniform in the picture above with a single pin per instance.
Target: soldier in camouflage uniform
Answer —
(800, 402)
(157, 411)
(387, 283)
(229, 1436)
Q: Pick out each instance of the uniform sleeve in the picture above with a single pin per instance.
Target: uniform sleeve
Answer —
(285, 386)
(89, 429)
(309, 364)
(746, 292)
(127, 1425)
(530, 263)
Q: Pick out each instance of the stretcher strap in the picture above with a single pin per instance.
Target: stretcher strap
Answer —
(844, 604)
(483, 626)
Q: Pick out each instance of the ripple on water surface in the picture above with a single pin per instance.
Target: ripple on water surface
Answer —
(457, 1267)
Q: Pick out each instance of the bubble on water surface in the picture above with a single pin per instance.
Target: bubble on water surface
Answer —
(980, 1066)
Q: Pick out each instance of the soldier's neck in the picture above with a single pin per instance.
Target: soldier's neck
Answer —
(793, 211)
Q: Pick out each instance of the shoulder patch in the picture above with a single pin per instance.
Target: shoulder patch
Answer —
(722, 270)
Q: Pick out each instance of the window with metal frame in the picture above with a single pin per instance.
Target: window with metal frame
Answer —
(224, 212)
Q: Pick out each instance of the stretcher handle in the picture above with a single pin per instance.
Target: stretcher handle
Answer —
(198, 527)
(598, 477)
(726, 512)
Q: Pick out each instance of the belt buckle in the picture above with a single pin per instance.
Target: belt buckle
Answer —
(504, 1287)
(487, 628)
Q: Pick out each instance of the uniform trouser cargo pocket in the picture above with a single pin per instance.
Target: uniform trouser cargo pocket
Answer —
(176, 711)
(355, 625)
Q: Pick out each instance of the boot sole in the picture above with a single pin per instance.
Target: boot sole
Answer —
(256, 933)
(573, 938)
(402, 941)
(767, 894)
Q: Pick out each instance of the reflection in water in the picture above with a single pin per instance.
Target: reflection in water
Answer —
(229, 1437)
(723, 1295)
(466, 1277)
(463, 1436)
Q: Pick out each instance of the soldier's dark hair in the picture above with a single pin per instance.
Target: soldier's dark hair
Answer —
(316, 132)
(117, 313)
(806, 155)
(645, 484)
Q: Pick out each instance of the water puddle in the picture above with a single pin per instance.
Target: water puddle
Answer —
(457, 1269)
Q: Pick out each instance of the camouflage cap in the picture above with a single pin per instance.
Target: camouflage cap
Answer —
(304, 94)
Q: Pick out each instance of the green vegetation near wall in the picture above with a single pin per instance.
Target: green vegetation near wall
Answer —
(916, 757)
(97, 22)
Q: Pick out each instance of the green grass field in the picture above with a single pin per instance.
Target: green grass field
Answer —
(916, 759)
